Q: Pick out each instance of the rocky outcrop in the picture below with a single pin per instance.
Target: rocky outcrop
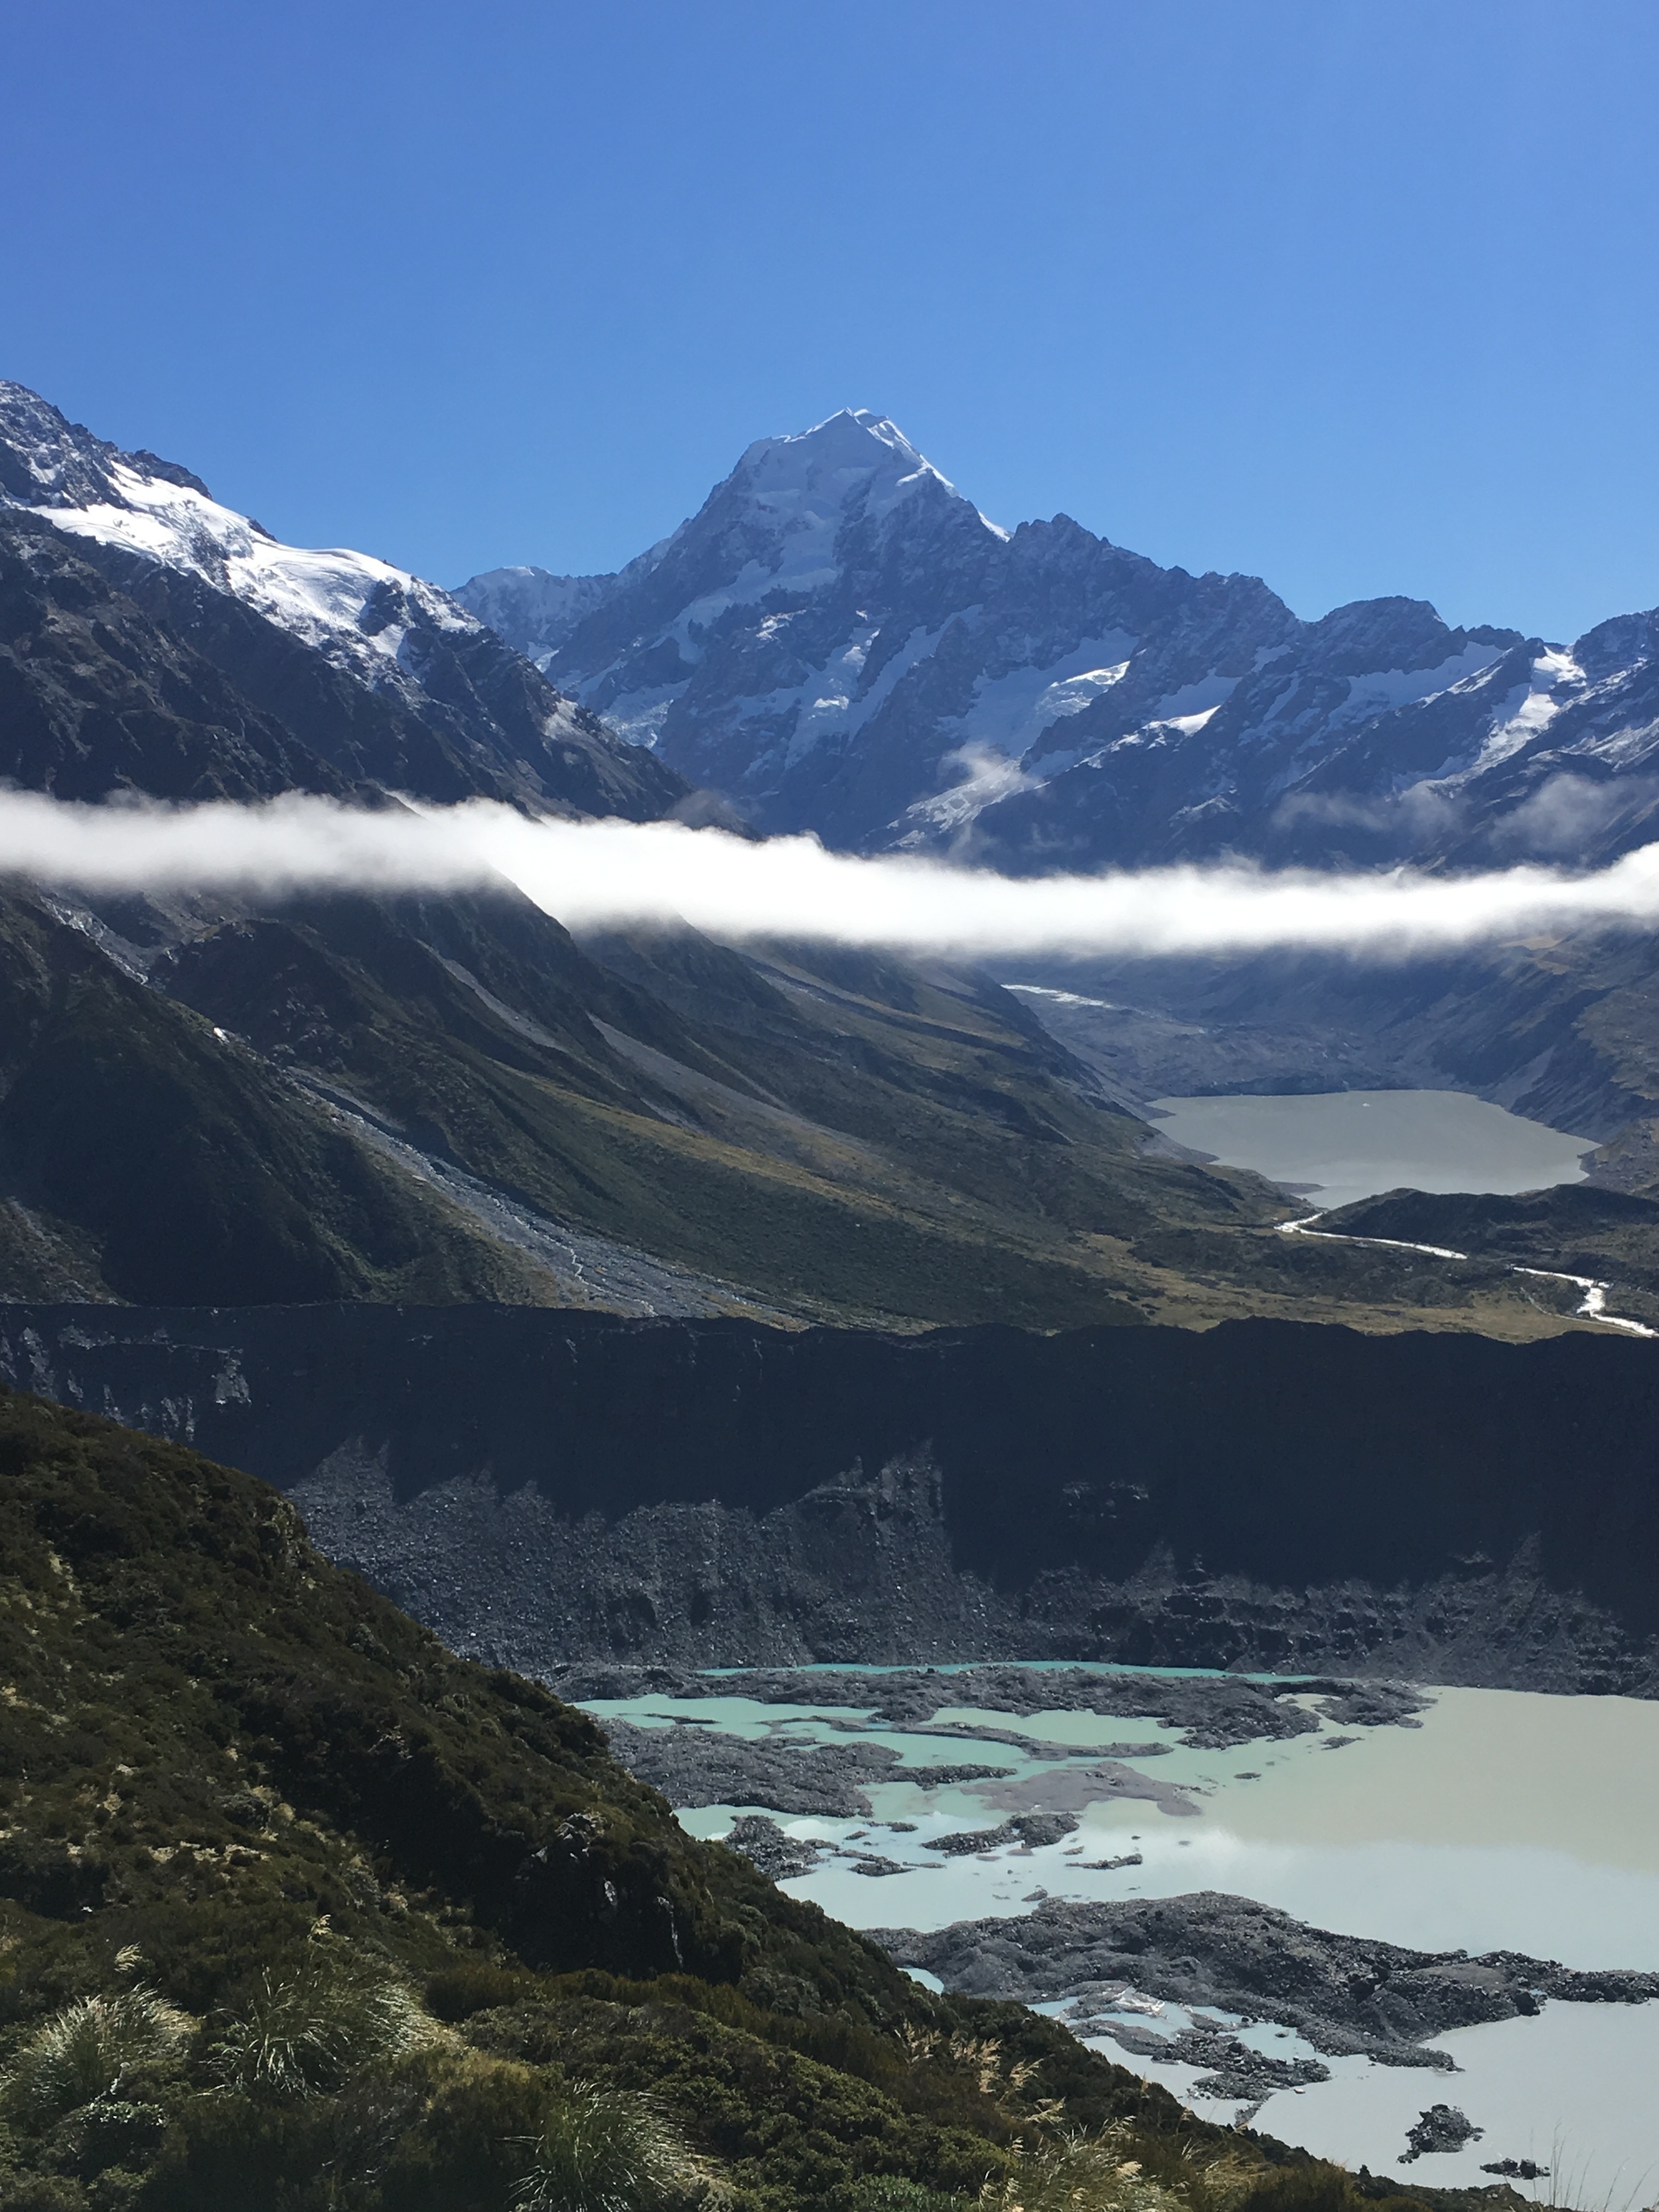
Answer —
(1344, 1994)
(1441, 2128)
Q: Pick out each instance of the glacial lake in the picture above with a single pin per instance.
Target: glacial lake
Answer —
(1504, 1820)
(1335, 1146)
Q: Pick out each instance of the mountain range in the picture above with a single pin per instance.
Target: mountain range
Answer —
(434, 1099)
(236, 1101)
(838, 641)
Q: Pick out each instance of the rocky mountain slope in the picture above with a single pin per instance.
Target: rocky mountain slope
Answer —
(839, 641)
(545, 1488)
(431, 1099)
(152, 639)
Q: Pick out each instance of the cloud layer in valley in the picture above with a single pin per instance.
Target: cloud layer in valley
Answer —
(590, 873)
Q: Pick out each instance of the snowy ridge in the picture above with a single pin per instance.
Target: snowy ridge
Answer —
(348, 604)
(322, 596)
(457, 713)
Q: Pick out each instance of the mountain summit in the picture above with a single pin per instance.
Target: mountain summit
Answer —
(852, 458)
(801, 522)
(838, 641)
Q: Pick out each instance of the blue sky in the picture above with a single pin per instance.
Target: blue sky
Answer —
(1357, 295)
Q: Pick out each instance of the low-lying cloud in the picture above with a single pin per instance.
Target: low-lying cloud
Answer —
(593, 873)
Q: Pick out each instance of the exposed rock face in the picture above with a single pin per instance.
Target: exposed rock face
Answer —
(542, 1486)
(1441, 2128)
(839, 641)
(1343, 1993)
(830, 1780)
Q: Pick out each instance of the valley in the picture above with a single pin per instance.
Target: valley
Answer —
(829, 1108)
(898, 1398)
(451, 1098)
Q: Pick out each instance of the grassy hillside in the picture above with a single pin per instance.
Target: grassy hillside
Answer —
(298, 1910)
(337, 1099)
(873, 1149)
(143, 1156)
(191, 1107)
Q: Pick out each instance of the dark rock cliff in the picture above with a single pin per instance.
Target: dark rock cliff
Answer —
(541, 1485)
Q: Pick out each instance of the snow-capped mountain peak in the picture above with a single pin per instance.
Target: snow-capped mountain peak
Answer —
(813, 477)
(838, 641)
(837, 629)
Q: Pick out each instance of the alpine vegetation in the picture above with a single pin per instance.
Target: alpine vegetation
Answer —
(309, 2030)
(90, 2051)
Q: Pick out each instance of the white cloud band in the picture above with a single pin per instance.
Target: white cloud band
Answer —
(594, 872)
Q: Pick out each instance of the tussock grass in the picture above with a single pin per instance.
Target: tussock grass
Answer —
(1079, 2171)
(306, 2032)
(611, 2150)
(88, 2049)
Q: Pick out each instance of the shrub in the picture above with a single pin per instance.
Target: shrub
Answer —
(228, 2153)
(471, 2145)
(1317, 2188)
(475, 1986)
(40, 2192)
(888, 2192)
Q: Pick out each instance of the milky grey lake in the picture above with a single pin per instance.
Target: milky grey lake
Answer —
(1335, 1146)
(1497, 1820)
